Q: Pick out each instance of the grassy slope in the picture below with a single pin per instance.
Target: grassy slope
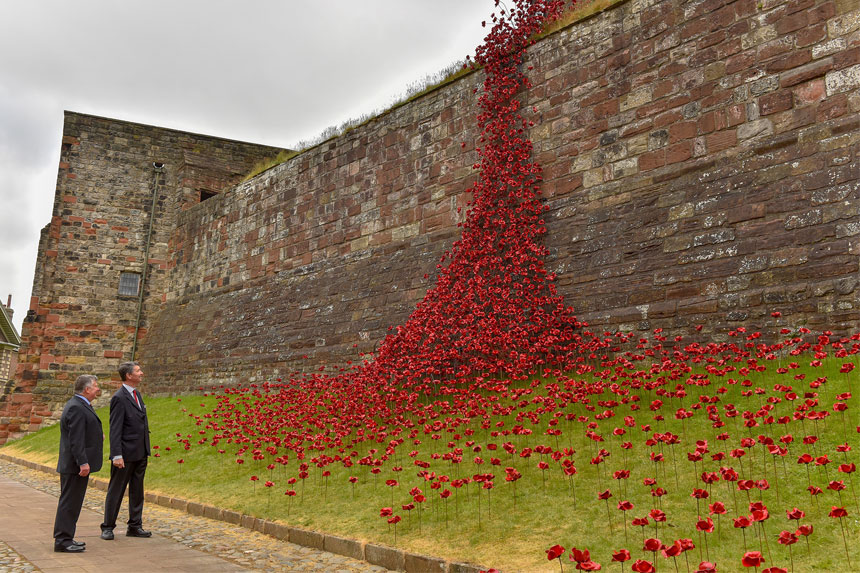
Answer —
(513, 535)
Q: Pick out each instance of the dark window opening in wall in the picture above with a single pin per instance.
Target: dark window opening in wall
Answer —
(206, 195)
(129, 284)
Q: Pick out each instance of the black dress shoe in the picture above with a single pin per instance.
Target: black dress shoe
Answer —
(79, 543)
(137, 532)
(107, 534)
(69, 548)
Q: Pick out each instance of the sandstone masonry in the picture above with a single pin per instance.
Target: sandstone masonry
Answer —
(701, 167)
(114, 177)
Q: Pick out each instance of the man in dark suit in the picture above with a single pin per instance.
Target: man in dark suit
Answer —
(129, 449)
(81, 441)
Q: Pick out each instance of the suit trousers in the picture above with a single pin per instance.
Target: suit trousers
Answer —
(132, 477)
(72, 490)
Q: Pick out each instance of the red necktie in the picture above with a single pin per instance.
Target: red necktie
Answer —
(136, 401)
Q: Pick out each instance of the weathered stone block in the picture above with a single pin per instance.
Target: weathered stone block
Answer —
(233, 517)
(775, 102)
(423, 564)
(178, 503)
(195, 508)
(383, 556)
(307, 538)
(276, 530)
(465, 568)
(839, 81)
(755, 129)
(342, 546)
(213, 512)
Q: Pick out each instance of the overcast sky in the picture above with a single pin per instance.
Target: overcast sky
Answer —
(265, 71)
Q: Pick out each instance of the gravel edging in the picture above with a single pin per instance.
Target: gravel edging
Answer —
(373, 553)
(14, 562)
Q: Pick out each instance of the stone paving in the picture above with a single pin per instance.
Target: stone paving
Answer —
(201, 544)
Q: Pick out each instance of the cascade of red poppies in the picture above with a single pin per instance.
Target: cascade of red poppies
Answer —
(494, 308)
(739, 409)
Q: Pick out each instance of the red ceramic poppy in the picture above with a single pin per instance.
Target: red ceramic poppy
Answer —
(642, 566)
(554, 552)
(838, 512)
(752, 559)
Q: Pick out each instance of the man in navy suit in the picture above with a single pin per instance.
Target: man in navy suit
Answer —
(129, 450)
(81, 441)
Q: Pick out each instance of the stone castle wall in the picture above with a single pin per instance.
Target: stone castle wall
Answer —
(701, 167)
(712, 151)
(77, 322)
(701, 164)
(320, 254)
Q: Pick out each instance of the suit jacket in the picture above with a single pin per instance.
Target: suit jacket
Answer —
(129, 427)
(81, 438)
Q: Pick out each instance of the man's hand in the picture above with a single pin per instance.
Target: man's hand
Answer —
(85, 470)
(119, 463)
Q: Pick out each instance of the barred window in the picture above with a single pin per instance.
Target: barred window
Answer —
(129, 284)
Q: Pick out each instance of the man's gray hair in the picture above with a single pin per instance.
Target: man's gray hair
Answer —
(125, 369)
(83, 382)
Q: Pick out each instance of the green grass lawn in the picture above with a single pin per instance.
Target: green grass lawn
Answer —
(499, 529)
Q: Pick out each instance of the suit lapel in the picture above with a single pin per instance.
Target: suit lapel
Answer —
(130, 398)
(92, 412)
(84, 406)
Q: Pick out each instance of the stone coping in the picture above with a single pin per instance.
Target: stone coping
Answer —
(381, 555)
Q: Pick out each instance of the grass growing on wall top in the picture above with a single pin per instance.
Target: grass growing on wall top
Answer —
(579, 12)
(266, 164)
(418, 89)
